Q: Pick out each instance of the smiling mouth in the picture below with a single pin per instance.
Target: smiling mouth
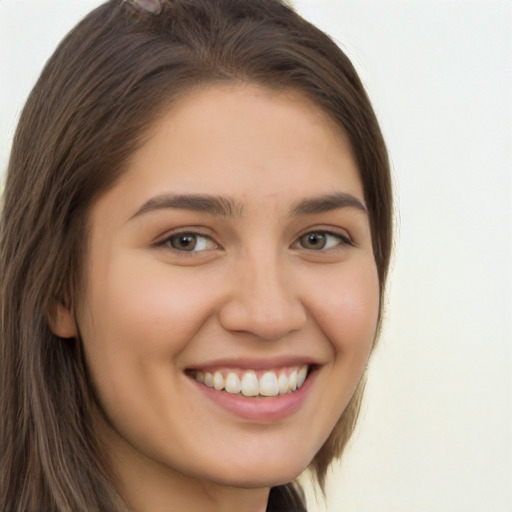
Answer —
(254, 383)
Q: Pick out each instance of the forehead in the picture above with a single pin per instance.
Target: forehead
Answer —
(243, 131)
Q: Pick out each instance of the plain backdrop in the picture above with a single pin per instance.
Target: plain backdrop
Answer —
(436, 429)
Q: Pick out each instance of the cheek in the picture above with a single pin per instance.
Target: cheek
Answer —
(348, 317)
(344, 304)
(347, 308)
(135, 327)
(155, 308)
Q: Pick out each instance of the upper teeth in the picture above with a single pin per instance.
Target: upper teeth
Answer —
(269, 383)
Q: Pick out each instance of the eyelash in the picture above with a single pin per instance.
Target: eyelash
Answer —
(167, 242)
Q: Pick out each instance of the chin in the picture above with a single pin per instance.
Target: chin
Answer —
(252, 481)
(269, 473)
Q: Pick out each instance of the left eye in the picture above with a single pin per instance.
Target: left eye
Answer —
(190, 242)
(321, 240)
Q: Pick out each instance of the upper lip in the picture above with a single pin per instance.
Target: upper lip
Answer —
(256, 364)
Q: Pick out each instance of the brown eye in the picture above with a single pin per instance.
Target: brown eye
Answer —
(183, 242)
(190, 242)
(313, 241)
(321, 240)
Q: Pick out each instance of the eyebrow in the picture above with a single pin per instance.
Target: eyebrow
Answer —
(216, 205)
(328, 202)
(228, 207)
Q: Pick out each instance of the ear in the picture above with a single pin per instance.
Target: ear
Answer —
(62, 321)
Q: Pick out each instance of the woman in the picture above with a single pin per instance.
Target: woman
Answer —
(195, 238)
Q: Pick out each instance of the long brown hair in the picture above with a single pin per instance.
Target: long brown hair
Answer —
(105, 85)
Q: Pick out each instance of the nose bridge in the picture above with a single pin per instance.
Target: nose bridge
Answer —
(263, 299)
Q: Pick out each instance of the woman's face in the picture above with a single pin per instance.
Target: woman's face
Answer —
(235, 252)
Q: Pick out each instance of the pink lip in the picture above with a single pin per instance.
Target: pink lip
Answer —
(264, 410)
(251, 364)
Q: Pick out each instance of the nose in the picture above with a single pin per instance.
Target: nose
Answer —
(263, 300)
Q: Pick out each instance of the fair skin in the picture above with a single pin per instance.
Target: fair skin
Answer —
(273, 274)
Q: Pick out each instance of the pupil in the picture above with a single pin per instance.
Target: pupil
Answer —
(184, 242)
(314, 241)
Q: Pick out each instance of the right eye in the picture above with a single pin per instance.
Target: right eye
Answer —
(188, 242)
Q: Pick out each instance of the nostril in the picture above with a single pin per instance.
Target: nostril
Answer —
(266, 320)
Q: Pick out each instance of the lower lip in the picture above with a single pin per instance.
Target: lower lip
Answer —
(262, 409)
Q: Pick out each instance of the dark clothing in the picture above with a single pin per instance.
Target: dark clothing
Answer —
(286, 498)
